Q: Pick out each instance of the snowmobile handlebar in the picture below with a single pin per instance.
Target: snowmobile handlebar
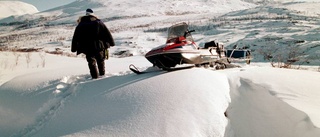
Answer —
(188, 32)
(191, 31)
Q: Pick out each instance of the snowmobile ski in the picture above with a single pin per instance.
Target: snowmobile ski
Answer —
(134, 69)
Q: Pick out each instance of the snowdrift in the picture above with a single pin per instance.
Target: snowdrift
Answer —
(274, 102)
(62, 100)
(159, 104)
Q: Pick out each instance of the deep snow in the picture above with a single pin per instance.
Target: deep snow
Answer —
(61, 99)
(285, 100)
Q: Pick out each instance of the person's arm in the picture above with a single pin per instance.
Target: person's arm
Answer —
(106, 35)
(74, 43)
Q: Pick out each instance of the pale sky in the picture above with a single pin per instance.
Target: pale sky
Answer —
(42, 5)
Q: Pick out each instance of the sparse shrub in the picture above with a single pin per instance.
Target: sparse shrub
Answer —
(28, 49)
(43, 58)
(17, 56)
(4, 64)
(60, 52)
(28, 58)
(283, 56)
(61, 38)
(57, 51)
(268, 52)
(4, 48)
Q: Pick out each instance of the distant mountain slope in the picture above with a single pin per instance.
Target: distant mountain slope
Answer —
(9, 8)
(156, 7)
(281, 1)
(138, 8)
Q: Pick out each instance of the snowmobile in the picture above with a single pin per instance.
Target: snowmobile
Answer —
(180, 48)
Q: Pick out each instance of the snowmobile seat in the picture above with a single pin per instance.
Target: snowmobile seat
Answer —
(210, 44)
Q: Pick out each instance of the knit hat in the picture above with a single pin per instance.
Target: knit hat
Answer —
(89, 12)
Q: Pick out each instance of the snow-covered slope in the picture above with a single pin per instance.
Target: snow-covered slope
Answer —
(307, 8)
(62, 100)
(10, 8)
(51, 95)
(279, 25)
(277, 1)
(153, 7)
(287, 98)
(137, 8)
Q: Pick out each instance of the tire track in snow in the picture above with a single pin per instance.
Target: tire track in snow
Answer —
(66, 88)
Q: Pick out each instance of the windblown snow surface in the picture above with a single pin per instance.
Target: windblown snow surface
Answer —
(62, 100)
(45, 95)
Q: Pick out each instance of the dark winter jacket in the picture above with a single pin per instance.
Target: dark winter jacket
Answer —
(91, 36)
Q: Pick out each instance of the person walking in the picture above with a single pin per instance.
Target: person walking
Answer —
(92, 38)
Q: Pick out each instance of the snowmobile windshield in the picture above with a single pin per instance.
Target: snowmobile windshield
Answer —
(179, 30)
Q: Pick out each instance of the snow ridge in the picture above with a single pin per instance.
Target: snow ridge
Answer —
(260, 104)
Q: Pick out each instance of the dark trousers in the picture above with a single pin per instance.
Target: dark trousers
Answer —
(96, 64)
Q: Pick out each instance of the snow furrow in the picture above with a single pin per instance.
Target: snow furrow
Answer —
(64, 90)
